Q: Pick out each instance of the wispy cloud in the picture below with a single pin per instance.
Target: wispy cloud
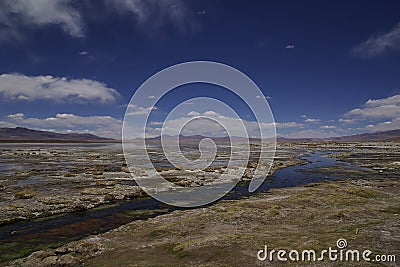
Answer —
(311, 133)
(328, 127)
(16, 14)
(290, 124)
(134, 110)
(263, 96)
(378, 45)
(153, 15)
(19, 87)
(312, 120)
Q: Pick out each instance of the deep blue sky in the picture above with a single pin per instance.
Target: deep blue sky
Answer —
(338, 63)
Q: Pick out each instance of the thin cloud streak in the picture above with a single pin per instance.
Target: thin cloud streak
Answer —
(378, 45)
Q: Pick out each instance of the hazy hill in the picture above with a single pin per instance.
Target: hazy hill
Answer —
(25, 134)
(393, 135)
(20, 134)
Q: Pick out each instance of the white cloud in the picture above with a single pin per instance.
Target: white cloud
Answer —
(347, 120)
(83, 53)
(382, 126)
(18, 87)
(156, 123)
(328, 127)
(311, 134)
(281, 125)
(211, 113)
(16, 116)
(193, 113)
(105, 126)
(7, 124)
(290, 46)
(393, 100)
(379, 44)
(376, 115)
(134, 110)
(263, 96)
(389, 111)
(211, 128)
(156, 14)
(15, 14)
(377, 109)
(312, 120)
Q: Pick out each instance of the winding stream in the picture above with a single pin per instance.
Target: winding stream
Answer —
(22, 238)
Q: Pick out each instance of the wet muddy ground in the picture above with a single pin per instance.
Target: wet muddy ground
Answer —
(40, 181)
(43, 180)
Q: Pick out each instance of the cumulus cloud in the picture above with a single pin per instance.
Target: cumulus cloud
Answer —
(134, 110)
(208, 127)
(19, 87)
(379, 44)
(211, 113)
(377, 108)
(105, 126)
(17, 116)
(16, 14)
(379, 114)
(393, 124)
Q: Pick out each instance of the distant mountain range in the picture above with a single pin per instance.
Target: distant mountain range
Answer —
(20, 134)
(393, 135)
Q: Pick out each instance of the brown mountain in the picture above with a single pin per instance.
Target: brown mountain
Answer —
(20, 134)
(393, 135)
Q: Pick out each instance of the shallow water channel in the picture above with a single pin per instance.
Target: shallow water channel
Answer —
(22, 238)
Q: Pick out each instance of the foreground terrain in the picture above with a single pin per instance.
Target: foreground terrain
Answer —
(229, 233)
(362, 207)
